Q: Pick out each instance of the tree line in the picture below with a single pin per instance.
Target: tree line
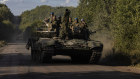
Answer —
(6, 23)
(118, 20)
(121, 21)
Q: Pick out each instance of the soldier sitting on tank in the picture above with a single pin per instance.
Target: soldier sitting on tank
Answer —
(54, 23)
(84, 29)
(46, 21)
(47, 24)
(52, 17)
(51, 25)
(76, 26)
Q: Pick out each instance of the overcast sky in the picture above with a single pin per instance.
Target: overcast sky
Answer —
(18, 6)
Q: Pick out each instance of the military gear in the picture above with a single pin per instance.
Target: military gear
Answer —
(52, 13)
(84, 30)
(64, 26)
(76, 18)
(82, 19)
(58, 25)
(76, 28)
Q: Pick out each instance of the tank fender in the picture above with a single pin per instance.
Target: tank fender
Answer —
(95, 45)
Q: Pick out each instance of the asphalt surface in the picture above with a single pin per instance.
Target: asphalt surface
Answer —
(15, 63)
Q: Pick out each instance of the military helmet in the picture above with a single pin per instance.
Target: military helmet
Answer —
(52, 13)
(82, 19)
(76, 18)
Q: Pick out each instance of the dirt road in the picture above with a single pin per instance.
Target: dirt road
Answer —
(15, 63)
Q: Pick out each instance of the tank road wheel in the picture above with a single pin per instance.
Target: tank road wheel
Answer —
(95, 57)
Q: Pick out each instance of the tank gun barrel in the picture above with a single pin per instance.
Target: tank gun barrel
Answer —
(92, 32)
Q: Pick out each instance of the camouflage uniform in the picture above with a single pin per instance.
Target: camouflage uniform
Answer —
(76, 27)
(64, 26)
(46, 20)
(76, 30)
(58, 25)
(84, 30)
(70, 28)
(52, 17)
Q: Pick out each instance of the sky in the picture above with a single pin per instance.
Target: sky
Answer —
(19, 6)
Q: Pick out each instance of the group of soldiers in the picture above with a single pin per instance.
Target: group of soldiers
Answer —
(67, 28)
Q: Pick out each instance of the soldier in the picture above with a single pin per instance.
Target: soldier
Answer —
(70, 28)
(76, 26)
(46, 20)
(58, 25)
(84, 29)
(59, 20)
(64, 26)
(83, 24)
(54, 23)
(70, 23)
(52, 16)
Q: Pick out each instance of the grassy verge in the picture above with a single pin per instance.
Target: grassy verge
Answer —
(2, 43)
(123, 59)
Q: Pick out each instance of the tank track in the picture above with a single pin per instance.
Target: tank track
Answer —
(94, 58)
(42, 56)
(45, 57)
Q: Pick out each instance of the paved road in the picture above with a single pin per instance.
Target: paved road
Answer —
(15, 63)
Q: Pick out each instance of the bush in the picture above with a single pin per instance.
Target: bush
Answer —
(3, 43)
(121, 58)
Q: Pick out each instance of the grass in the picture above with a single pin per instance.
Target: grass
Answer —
(123, 59)
(2, 43)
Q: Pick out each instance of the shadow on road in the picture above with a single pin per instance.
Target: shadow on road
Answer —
(20, 59)
(74, 75)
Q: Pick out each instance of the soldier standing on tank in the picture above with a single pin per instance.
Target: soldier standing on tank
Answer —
(64, 26)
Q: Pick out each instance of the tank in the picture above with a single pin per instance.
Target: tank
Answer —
(44, 44)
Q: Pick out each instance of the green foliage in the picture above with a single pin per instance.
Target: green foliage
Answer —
(95, 12)
(6, 30)
(6, 25)
(126, 25)
(31, 29)
(39, 13)
(119, 19)
(3, 43)
(5, 13)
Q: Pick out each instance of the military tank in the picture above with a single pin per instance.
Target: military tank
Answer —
(45, 44)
